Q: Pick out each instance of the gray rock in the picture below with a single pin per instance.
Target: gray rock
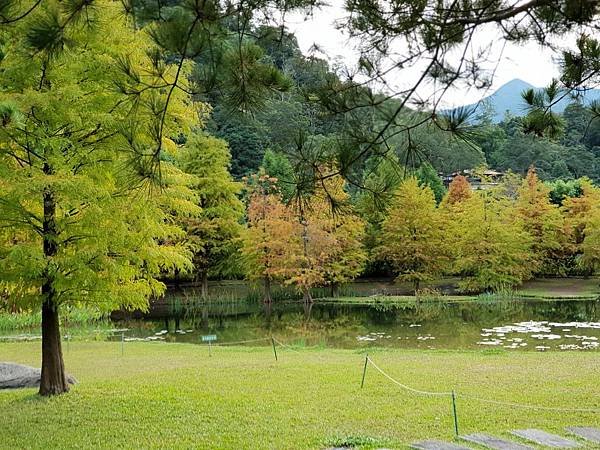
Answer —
(495, 443)
(437, 445)
(16, 376)
(547, 439)
(589, 433)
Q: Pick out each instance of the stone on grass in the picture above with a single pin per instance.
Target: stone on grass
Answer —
(437, 445)
(495, 443)
(547, 439)
(17, 376)
(588, 433)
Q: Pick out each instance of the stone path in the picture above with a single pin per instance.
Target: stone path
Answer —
(587, 433)
(539, 437)
(494, 443)
(547, 439)
(437, 445)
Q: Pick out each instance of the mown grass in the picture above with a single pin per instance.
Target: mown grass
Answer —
(160, 395)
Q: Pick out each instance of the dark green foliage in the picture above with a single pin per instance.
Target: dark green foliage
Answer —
(428, 176)
(561, 189)
(247, 139)
(277, 165)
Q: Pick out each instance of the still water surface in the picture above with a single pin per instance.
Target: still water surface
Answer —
(516, 325)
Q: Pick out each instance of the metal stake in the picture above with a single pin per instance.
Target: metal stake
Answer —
(362, 383)
(454, 412)
(274, 349)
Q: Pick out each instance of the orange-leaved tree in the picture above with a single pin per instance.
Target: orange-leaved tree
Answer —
(342, 254)
(542, 221)
(459, 190)
(270, 243)
(579, 213)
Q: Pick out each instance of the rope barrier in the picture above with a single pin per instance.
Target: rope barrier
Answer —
(221, 344)
(404, 386)
(480, 399)
(285, 345)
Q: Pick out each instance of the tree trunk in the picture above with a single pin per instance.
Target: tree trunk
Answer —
(268, 308)
(205, 317)
(307, 295)
(204, 284)
(335, 289)
(307, 310)
(417, 293)
(53, 378)
(267, 290)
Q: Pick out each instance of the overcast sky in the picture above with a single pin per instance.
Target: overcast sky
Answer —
(529, 63)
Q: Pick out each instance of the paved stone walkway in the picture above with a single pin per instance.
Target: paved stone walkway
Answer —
(547, 439)
(437, 445)
(494, 443)
(536, 436)
(587, 433)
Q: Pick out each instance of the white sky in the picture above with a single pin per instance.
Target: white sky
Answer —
(530, 63)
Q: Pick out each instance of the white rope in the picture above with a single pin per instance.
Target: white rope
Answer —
(221, 344)
(285, 345)
(404, 386)
(483, 400)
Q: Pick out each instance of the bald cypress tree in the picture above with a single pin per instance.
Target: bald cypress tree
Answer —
(78, 153)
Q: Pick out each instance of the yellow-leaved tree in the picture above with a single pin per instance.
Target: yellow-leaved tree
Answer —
(412, 239)
(580, 220)
(332, 240)
(84, 142)
(543, 222)
(491, 251)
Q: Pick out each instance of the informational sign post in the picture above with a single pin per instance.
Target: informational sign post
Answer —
(209, 338)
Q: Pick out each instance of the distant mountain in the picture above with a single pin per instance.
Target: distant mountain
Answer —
(508, 98)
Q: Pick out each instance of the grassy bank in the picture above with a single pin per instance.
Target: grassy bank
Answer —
(398, 299)
(174, 396)
(79, 317)
(561, 288)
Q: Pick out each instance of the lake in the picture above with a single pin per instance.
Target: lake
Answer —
(514, 325)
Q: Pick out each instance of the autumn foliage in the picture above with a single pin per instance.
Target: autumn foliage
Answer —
(459, 190)
(412, 239)
(303, 244)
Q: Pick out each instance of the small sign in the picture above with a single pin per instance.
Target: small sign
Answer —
(209, 338)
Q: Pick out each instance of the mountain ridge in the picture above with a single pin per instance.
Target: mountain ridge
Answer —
(507, 98)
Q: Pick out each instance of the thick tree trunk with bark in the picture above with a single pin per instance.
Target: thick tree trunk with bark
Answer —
(267, 290)
(53, 379)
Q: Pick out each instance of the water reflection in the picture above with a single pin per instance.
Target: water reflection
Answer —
(514, 325)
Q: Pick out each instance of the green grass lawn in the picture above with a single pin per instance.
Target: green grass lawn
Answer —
(561, 288)
(174, 396)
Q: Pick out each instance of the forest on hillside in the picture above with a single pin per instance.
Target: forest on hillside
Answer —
(288, 121)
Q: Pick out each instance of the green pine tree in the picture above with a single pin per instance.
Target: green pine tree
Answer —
(215, 233)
